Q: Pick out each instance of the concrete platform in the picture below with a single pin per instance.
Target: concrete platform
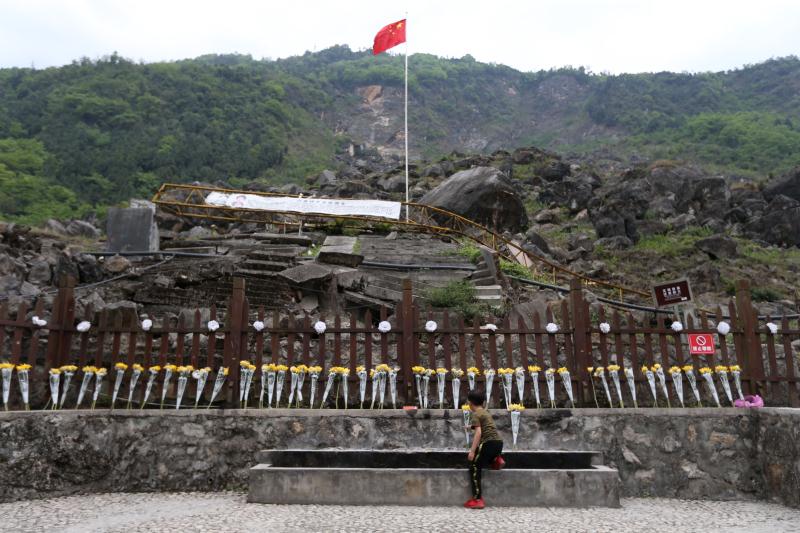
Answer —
(430, 478)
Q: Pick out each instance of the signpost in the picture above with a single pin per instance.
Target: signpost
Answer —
(672, 293)
(701, 344)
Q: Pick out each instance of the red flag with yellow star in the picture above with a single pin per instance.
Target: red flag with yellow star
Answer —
(389, 37)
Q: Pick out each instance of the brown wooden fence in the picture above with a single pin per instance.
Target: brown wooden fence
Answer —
(767, 360)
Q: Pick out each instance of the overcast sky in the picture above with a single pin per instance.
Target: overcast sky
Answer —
(602, 35)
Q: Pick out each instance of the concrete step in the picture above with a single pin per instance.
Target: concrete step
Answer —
(273, 266)
(258, 273)
(366, 301)
(429, 478)
(272, 255)
(283, 238)
(376, 291)
(484, 281)
(489, 290)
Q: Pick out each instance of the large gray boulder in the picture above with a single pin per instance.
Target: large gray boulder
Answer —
(787, 185)
(780, 223)
(483, 194)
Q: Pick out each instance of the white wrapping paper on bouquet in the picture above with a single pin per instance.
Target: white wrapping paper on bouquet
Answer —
(515, 416)
(471, 380)
(6, 371)
(362, 385)
(455, 385)
(692, 379)
(712, 389)
(467, 415)
(68, 371)
(280, 379)
(601, 373)
(550, 378)
(418, 383)
(651, 382)
(489, 375)
(613, 370)
(183, 378)
(136, 373)
(426, 381)
(677, 383)
(328, 386)
(301, 377)
(375, 378)
(629, 377)
(165, 386)
(567, 381)
(87, 378)
(313, 393)
(507, 382)
(23, 377)
(98, 384)
(737, 380)
(393, 386)
(222, 373)
(151, 379)
(662, 380)
(535, 385)
(519, 377)
(726, 385)
(271, 377)
(441, 381)
(55, 382)
(117, 385)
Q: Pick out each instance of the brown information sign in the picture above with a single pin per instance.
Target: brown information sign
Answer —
(672, 293)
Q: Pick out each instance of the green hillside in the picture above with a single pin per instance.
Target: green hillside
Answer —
(93, 133)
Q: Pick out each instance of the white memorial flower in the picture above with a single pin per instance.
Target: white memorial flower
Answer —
(83, 326)
(723, 328)
(213, 325)
(551, 327)
(677, 327)
(773, 328)
(258, 325)
(147, 324)
(605, 327)
(320, 327)
(430, 326)
(490, 327)
(384, 327)
(38, 321)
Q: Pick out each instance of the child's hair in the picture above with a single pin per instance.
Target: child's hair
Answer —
(476, 397)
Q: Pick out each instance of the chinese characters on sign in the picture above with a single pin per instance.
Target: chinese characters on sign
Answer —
(701, 344)
(672, 293)
(326, 206)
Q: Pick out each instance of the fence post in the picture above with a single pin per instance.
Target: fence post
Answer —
(580, 325)
(752, 339)
(58, 328)
(233, 341)
(408, 337)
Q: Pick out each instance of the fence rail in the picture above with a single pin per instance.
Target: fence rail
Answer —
(767, 359)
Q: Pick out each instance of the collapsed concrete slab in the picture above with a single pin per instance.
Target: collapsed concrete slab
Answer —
(340, 250)
(132, 230)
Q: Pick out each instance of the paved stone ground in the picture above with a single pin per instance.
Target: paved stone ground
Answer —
(229, 512)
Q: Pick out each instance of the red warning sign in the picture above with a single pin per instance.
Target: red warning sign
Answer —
(701, 344)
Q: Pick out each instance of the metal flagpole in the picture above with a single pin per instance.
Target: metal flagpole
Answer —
(406, 116)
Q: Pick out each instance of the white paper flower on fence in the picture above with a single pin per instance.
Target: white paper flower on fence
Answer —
(677, 327)
(430, 326)
(384, 327)
(320, 327)
(213, 326)
(490, 327)
(258, 325)
(551, 327)
(773, 328)
(723, 328)
(605, 327)
(38, 321)
(147, 324)
(83, 326)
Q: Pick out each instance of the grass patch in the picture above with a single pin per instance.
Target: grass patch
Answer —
(458, 296)
(468, 250)
(673, 244)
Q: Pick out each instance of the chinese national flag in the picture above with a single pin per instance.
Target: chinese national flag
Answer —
(389, 37)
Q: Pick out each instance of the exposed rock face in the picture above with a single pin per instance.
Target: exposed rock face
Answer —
(788, 185)
(483, 194)
(79, 228)
(780, 223)
(717, 246)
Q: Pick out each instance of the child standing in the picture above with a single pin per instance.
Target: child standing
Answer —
(486, 447)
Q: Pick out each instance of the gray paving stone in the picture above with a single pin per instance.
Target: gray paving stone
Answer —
(229, 512)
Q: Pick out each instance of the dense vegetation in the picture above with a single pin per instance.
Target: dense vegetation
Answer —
(93, 133)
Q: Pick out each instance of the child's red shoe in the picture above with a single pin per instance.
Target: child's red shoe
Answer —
(475, 504)
(498, 464)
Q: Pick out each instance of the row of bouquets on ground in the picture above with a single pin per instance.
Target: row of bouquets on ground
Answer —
(383, 380)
